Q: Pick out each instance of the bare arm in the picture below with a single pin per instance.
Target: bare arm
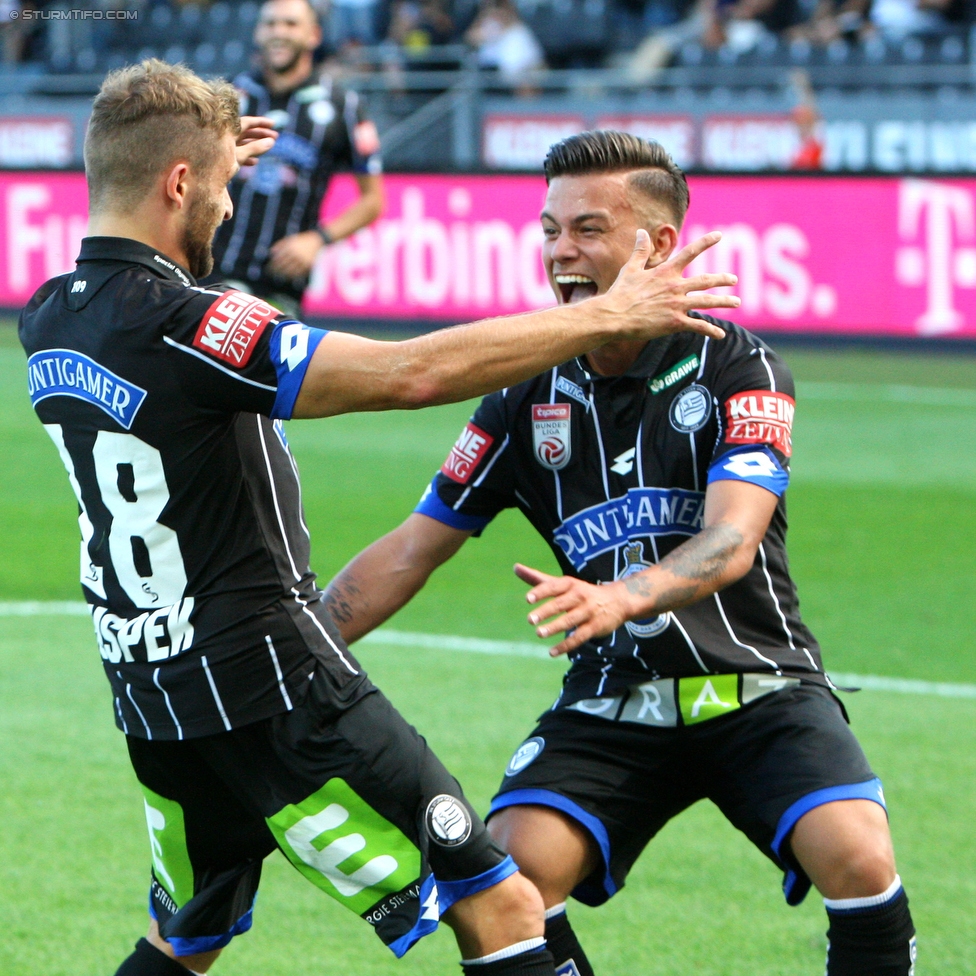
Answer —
(348, 373)
(737, 515)
(389, 573)
(294, 255)
(363, 210)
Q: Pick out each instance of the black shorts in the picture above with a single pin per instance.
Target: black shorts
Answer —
(764, 766)
(352, 796)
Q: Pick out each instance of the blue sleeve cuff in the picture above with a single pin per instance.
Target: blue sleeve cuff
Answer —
(753, 463)
(292, 345)
(431, 505)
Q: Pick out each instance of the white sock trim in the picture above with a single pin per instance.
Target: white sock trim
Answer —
(559, 909)
(871, 901)
(513, 950)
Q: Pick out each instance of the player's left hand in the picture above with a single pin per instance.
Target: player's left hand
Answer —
(293, 256)
(257, 136)
(574, 605)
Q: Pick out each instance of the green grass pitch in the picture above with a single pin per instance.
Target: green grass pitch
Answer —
(883, 516)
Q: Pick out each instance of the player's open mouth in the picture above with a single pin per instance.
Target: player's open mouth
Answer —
(575, 287)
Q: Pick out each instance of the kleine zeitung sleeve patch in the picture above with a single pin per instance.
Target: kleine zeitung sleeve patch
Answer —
(466, 454)
(761, 417)
(231, 327)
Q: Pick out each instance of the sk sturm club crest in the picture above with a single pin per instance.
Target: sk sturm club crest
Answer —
(634, 563)
(551, 437)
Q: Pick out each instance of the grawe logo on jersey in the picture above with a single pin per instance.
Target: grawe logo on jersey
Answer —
(231, 327)
(468, 450)
(551, 434)
(761, 417)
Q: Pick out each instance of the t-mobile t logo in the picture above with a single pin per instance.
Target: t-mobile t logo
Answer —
(941, 260)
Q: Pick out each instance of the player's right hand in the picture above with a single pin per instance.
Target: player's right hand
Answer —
(257, 136)
(653, 302)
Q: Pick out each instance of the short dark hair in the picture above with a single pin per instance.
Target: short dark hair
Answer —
(144, 118)
(608, 151)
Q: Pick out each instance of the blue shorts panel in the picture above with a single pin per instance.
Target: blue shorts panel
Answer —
(589, 892)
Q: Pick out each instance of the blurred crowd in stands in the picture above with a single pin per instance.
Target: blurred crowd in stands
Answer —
(512, 37)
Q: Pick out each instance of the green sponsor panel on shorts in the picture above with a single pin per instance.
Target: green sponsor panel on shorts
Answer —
(167, 840)
(708, 697)
(343, 846)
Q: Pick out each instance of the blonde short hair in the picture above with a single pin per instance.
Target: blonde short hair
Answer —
(146, 117)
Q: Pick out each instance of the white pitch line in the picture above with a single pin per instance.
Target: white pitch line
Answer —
(52, 608)
(478, 645)
(448, 642)
(926, 396)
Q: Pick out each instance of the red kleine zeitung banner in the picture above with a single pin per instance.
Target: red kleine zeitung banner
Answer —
(881, 255)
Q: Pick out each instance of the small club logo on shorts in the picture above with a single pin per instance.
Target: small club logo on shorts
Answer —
(691, 409)
(525, 753)
(448, 822)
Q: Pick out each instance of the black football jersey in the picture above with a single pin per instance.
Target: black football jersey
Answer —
(322, 128)
(165, 401)
(612, 471)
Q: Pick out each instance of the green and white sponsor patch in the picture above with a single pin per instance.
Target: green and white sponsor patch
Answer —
(343, 846)
(671, 376)
(704, 698)
(167, 840)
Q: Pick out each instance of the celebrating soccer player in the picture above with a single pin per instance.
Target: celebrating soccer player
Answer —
(249, 724)
(269, 246)
(656, 471)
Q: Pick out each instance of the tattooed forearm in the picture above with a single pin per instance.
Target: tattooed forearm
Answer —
(702, 559)
(673, 596)
(340, 598)
(706, 556)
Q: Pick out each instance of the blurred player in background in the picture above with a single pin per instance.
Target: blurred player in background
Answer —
(249, 724)
(270, 245)
(656, 472)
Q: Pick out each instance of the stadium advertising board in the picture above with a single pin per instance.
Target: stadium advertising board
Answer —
(833, 254)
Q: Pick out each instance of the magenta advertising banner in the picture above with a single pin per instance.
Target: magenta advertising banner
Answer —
(839, 255)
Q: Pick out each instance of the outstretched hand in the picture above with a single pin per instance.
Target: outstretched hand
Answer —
(657, 300)
(258, 135)
(575, 606)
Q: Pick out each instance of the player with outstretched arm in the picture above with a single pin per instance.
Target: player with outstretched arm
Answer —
(249, 724)
(656, 472)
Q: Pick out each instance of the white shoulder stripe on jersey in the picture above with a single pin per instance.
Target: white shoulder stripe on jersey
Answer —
(769, 372)
(210, 362)
(704, 354)
(206, 291)
(490, 464)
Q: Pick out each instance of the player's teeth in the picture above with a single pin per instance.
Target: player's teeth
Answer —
(573, 280)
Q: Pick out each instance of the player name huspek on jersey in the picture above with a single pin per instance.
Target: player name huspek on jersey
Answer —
(615, 486)
(164, 401)
(641, 512)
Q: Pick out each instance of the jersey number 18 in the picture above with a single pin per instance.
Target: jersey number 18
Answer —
(131, 485)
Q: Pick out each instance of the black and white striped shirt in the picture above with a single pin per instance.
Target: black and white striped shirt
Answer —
(322, 129)
(612, 472)
(165, 400)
